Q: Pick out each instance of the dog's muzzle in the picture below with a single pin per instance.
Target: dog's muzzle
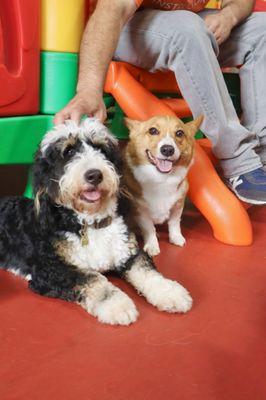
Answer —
(93, 176)
(167, 150)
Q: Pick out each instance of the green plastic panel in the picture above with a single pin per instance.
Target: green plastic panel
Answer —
(232, 81)
(20, 137)
(59, 73)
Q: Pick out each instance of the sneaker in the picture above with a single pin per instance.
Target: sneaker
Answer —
(250, 187)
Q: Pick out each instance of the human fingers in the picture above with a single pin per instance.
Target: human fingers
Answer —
(60, 117)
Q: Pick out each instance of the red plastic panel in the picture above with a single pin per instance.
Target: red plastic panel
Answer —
(260, 5)
(19, 57)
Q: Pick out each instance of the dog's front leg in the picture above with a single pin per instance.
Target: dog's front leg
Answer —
(163, 293)
(175, 235)
(151, 244)
(91, 290)
(106, 302)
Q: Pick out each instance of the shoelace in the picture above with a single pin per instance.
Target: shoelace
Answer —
(236, 182)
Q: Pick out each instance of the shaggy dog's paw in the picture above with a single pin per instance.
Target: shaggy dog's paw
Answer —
(170, 296)
(119, 309)
(177, 239)
(152, 247)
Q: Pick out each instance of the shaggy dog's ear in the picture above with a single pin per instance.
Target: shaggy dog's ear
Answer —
(40, 172)
(37, 200)
(44, 213)
(113, 154)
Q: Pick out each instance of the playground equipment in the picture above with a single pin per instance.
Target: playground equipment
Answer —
(61, 25)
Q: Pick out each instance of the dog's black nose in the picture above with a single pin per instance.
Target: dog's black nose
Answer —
(167, 150)
(93, 176)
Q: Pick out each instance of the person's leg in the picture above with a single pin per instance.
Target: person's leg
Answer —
(247, 47)
(179, 41)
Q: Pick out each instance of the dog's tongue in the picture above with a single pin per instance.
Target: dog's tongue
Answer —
(164, 165)
(91, 195)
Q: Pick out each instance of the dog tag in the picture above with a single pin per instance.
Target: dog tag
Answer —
(84, 235)
(84, 241)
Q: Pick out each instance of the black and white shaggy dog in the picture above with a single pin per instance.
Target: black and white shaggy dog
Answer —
(74, 232)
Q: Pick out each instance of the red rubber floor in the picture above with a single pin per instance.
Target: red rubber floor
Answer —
(53, 350)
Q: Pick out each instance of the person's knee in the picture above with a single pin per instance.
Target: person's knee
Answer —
(258, 21)
(188, 25)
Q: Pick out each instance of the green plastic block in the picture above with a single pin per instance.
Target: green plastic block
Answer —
(59, 73)
(20, 137)
(117, 125)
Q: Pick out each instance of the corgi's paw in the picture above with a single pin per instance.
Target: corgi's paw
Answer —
(152, 247)
(170, 296)
(177, 238)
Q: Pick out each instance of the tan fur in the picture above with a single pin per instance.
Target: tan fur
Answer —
(64, 249)
(140, 138)
(71, 141)
(37, 200)
(135, 156)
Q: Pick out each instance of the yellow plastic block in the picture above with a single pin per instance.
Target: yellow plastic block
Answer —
(63, 23)
(214, 4)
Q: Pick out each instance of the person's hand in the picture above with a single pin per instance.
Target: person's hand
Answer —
(84, 103)
(220, 25)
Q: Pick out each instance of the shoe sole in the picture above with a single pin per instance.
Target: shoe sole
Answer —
(249, 201)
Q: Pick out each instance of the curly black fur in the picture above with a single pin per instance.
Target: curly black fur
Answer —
(26, 244)
(27, 237)
(30, 231)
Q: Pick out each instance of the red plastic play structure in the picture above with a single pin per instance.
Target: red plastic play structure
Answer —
(131, 87)
(19, 57)
(260, 5)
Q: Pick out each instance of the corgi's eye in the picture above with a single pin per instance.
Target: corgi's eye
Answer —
(68, 152)
(179, 133)
(153, 131)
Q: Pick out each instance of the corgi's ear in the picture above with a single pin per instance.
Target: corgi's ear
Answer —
(193, 126)
(132, 125)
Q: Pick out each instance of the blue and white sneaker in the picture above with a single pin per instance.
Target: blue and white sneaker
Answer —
(250, 187)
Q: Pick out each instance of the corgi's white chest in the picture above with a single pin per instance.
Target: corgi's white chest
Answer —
(160, 202)
(160, 192)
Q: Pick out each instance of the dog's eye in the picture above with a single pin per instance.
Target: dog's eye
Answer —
(153, 131)
(69, 151)
(179, 133)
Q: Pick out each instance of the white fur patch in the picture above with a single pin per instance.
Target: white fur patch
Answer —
(17, 272)
(160, 191)
(108, 303)
(165, 294)
(168, 140)
(88, 128)
(118, 310)
(107, 247)
(88, 158)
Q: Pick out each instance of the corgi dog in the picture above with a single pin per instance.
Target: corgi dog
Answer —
(157, 159)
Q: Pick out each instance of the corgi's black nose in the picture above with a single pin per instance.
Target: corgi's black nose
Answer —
(167, 150)
(93, 176)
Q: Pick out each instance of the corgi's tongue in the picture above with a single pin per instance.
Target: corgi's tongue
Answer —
(91, 195)
(163, 165)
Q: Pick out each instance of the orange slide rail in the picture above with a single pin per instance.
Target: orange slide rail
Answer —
(228, 218)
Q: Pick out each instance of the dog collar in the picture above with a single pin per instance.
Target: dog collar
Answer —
(103, 223)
